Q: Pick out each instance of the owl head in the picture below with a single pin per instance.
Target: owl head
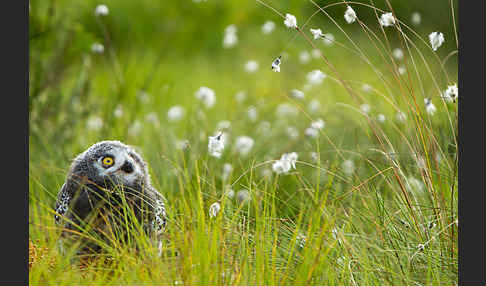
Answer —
(110, 163)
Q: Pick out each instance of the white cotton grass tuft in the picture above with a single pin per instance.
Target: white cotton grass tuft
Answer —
(182, 144)
(398, 54)
(230, 38)
(101, 10)
(429, 106)
(290, 21)
(276, 64)
(311, 132)
(381, 118)
(143, 96)
(214, 209)
(240, 96)
(223, 124)
(400, 116)
(118, 113)
(436, 40)
(215, 145)
(350, 15)
(314, 105)
(348, 167)
(328, 39)
(451, 93)
(252, 113)
(292, 132)
(97, 48)
(268, 27)
(227, 170)
(231, 29)
(266, 173)
(206, 95)
(285, 163)
(94, 123)
(153, 118)
(414, 185)
(281, 167)
(315, 77)
(230, 193)
(295, 93)
(244, 144)
(317, 125)
(251, 66)
(285, 109)
(264, 127)
(304, 57)
(225, 137)
(387, 19)
(366, 87)
(316, 33)
(402, 70)
(176, 113)
(365, 108)
(135, 128)
(421, 164)
(243, 196)
(416, 18)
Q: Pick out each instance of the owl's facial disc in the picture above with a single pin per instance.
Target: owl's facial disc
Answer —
(118, 165)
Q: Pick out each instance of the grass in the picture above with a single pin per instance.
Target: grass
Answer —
(390, 220)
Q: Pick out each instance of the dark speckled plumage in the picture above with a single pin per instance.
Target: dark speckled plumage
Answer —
(95, 194)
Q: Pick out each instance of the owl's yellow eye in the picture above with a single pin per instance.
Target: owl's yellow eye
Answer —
(107, 161)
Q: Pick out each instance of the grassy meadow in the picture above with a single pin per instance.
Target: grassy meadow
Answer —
(372, 199)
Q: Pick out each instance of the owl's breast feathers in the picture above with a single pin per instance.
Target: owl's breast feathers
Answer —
(77, 201)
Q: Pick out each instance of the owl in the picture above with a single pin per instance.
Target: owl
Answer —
(108, 188)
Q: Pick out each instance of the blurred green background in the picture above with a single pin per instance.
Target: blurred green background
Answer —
(171, 48)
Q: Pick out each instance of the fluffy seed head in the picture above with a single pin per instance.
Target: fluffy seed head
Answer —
(387, 19)
(398, 54)
(295, 93)
(175, 113)
(416, 18)
(328, 39)
(251, 66)
(304, 57)
(451, 93)
(348, 167)
(316, 33)
(206, 95)
(315, 77)
(350, 15)
(97, 48)
(101, 10)
(215, 145)
(214, 209)
(436, 40)
(268, 27)
(290, 21)
(244, 144)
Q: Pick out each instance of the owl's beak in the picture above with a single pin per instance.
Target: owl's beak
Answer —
(127, 167)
